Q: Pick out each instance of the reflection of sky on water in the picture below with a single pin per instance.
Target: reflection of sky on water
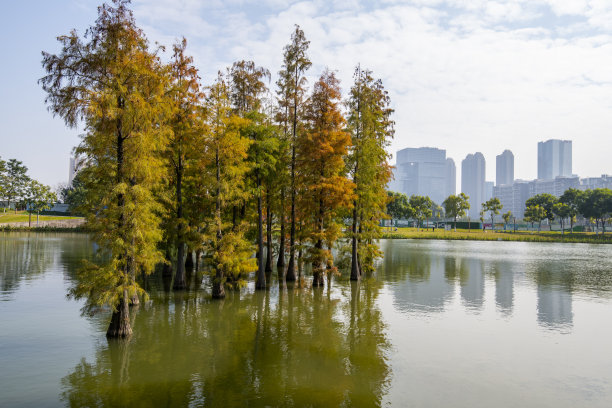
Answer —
(425, 277)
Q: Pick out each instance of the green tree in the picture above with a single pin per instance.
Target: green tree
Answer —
(398, 206)
(481, 216)
(38, 197)
(597, 204)
(247, 89)
(321, 152)
(116, 85)
(3, 180)
(456, 206)
(292, 84)
(184, 142)
(535, 213)
(16, 181)
(421, 208)
(371, 128)
(225, 166)
(562, 211)
(547, 202)
(492, 206)
(572, 198)
(507, 216)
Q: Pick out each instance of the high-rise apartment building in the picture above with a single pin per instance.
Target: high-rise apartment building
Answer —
(504, 168)
(451, 177)
(424, 171)
(473, 175)
(554, 159)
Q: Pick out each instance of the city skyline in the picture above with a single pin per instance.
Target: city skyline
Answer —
(471, 77)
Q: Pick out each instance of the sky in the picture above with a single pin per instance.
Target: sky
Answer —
(463, 75)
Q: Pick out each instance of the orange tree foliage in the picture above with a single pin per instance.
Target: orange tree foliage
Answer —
(325, 188)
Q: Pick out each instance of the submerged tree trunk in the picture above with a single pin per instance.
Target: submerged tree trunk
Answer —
(281, 244)
(317, 265)
(179, 280)
(261, 275)
(120, 320)
(355, 272)
(218, 289)
(268, 267)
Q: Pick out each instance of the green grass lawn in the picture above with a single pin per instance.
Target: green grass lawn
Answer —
(22, 216)
(479, 235)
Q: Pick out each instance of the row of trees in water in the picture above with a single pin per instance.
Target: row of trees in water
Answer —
(171, 166)
(594, 205)
(19, 189)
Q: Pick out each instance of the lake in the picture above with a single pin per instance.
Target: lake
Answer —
(440, 323)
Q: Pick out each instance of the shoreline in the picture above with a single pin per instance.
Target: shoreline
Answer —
(519, 236)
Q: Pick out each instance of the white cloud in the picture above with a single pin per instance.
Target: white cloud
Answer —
(463, 75)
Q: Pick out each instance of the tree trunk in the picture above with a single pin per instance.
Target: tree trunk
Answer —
(29, 219)
(268, 267)
(355, 272)
(37, 214)
(218, 289)
(290, 276)
(179, 280)
(120, 320)
(281, 244)
(261, 274)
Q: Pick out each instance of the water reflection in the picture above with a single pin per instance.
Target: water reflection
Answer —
(423, 276)
(270, 348)
(26, 256)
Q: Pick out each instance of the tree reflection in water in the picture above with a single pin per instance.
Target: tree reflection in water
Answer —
(256, 348)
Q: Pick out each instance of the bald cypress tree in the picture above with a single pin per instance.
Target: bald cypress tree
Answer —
(292, 84)
(321, 152)
(112, 82)
(185, 140)
(371, 129)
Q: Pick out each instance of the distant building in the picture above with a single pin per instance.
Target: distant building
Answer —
(590, 183)
(488, 191)
(451, 177)
(424, 171)
(473, 172)
(554, 159)
(504, 168)
(71, 170)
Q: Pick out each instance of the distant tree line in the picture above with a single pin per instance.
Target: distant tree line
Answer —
(20, 190)
(595, 206)
(173, 167)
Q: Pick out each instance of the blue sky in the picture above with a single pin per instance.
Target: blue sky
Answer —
(463, 75)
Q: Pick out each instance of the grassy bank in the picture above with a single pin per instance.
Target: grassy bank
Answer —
(10, 228)
(479, 235)
(22, 216)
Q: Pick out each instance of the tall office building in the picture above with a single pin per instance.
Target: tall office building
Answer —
(504, 168)
(554, 159)
(423, 171)
(473, 172)
(71, 170)
(451, 177)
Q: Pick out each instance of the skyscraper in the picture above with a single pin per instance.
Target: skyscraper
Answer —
(71, 170)
(451, 177)
(424, 171)
(554, 159)
(504, 168)
(473, 172)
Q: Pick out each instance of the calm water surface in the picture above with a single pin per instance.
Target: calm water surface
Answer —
(441, 323)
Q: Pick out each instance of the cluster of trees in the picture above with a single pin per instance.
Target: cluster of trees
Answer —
(19, 189)
(421, 208)
(593, 205)
(172, 167)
